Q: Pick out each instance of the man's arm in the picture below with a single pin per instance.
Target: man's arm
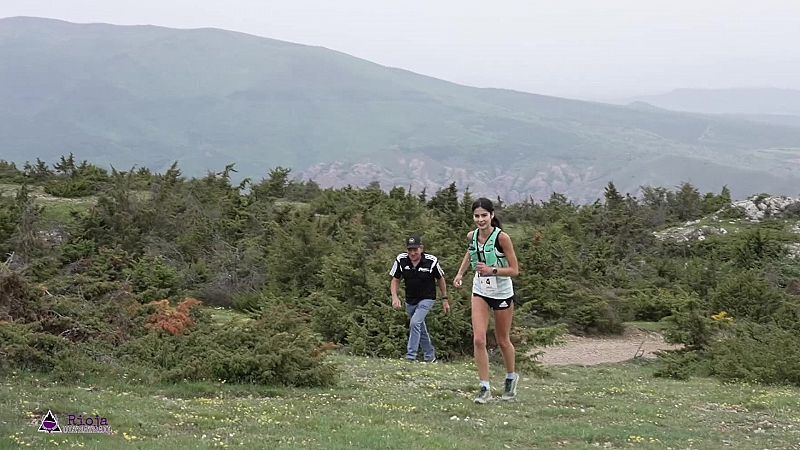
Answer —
(395, 298)
(443, 291)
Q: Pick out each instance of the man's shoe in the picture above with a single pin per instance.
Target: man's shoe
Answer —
(510, 391)
(433, 361)
(483, 396)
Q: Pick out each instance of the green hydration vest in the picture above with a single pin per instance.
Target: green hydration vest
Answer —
(489, 254)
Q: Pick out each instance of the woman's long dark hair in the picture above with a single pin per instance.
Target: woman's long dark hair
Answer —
(486, 204)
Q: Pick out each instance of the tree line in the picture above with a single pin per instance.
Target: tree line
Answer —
(110, 286)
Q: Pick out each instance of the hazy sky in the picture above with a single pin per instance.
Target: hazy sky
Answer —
(573, 48)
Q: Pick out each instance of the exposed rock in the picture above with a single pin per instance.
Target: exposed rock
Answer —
(53, 237)
(755, 209)
(793, 250)
(688, 232)
(759, 207)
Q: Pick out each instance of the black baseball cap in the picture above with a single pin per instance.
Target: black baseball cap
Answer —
(413, 242)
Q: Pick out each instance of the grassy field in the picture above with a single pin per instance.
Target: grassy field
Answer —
(57, 210)
(382, 403)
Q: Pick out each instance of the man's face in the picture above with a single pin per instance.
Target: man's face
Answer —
(414, 253)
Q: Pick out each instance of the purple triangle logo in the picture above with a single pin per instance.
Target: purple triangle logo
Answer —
(49, 423)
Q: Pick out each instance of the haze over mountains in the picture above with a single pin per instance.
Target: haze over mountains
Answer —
(770, 105)
(147, 96)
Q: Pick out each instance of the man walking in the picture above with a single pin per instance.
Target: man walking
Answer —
(421, 273)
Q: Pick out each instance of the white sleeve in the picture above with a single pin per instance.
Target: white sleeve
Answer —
(438, 268)
(395, 269)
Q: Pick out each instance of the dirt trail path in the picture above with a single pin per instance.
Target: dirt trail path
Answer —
(589, 351)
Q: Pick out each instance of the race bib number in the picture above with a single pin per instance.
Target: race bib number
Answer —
(488, 285)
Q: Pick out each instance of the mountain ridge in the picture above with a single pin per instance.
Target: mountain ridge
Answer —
(734, 101)
(147, 96)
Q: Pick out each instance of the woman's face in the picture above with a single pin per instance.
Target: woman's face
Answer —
(482, 218)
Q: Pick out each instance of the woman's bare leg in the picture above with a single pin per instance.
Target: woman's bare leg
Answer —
(480, 325)
(502, 331)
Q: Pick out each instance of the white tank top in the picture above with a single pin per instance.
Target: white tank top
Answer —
(492, 286)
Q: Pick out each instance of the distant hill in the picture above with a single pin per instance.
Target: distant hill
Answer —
(778, 106)
(760, 101)
(145, 95)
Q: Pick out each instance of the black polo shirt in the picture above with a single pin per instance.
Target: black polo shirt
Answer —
(421, 280)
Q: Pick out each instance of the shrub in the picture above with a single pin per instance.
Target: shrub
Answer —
(19, 300)
(758, 353)
(9, 220)
(70, 187)
(377, 330)
(681, 365)
(77, 249)
(80, 363)
(655, 305)
(249, 301)
(691, 326)
(649, 306)
(152, 278)
(109, 264)
(557, 300)
(788, 316)
(747, 295)
(731, 212)
(277, 348)
(25, 346)
(592, 314)
(174, 321)
(331, 318)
